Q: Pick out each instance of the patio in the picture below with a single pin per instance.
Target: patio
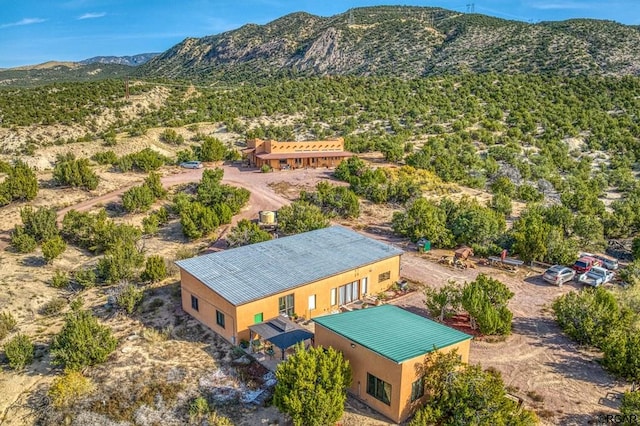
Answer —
(271, 341)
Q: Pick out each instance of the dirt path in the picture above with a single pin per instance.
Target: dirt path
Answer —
(536, 360)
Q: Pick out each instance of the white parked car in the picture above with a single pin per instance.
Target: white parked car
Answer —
(596, 276)
(191, 165)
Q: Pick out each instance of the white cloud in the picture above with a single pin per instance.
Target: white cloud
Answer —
(92, 15)
(25, 21)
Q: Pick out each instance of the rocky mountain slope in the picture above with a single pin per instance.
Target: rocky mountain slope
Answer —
(132, 61)
(404, 42)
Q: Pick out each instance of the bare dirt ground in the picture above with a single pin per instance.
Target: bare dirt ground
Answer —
(563, 383)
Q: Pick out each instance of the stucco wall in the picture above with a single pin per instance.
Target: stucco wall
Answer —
(208, 302)
(399, 376)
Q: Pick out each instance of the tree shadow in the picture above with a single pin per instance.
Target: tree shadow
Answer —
(34, 261)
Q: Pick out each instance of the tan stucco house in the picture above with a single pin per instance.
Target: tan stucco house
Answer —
(309, 274)
(295, 155)
(384, 344)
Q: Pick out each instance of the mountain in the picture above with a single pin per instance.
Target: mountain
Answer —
(132, 61)
(56, 72)
(404, 42)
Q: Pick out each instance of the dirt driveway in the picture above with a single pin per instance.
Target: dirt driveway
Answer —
(561, 381)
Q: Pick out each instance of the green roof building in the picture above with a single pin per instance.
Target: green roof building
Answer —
(384, 345)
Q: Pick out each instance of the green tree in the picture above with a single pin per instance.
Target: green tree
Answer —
(82, 342)
(630, 404)
(7, 324)
(40, 224)
(530, 234)
(74, 172)
(423, 219)
(461, 394)
(444, 302)
(128, 297)
(21, 241)
(622, 353)
(19, 351)
(52, 248)
(485, 300)
(246, 232)
(502, 204)
(312, 386)
(155, 269)
(300, 216)
(333, 200)
(120, 262)
(212, 149)
(137, 199)
(21, 184)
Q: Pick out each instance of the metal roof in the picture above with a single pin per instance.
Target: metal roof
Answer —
(252, 272)
(392, 332)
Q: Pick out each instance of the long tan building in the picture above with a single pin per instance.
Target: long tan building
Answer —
(295, 155)
(384, 345)
(308, 274)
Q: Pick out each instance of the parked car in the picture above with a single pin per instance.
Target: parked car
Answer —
(585, 263)
(596, 276)
(607, 261)
(558, 275)
(191, 164)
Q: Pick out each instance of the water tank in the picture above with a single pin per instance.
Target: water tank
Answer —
(267, 216)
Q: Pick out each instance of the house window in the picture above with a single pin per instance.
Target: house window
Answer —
(379, 389)
(333, 296)
(312, 302)
(257, 318)
(285, 305)
(417, 389)
(194, 303)
(384, 276)
(348, 293)
(363, 286)
(220, 319)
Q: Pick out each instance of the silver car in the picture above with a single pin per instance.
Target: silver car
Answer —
(191, 165)
(558, 275)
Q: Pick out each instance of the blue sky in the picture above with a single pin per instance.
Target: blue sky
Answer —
(36, 31)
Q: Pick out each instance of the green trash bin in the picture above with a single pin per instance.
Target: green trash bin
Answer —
(423, 245)
(427, 246)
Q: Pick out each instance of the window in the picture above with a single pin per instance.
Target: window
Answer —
(384, 276)
(285, 305)
(257, 318)
(194, 303)
(348, 293)
(417, 389)
(363, 286)
(220, 319)
(312, 302)
(379, 389)
(333, 296)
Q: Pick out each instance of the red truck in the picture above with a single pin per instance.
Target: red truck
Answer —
(585, 263)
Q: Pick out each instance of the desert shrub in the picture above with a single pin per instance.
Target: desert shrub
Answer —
(300, 216)
(74, 172)
(60, 279)
(7, 324)
(155, 269)
(265, 168)
(621, 350)
(170, 136)
(21, 183)
(137, 199)
(185, 253)
(152, 223)
(155, 185)
(485, 299)
(423, 219)
(128, 297)
(246, 232)
(82, 342)
(146, 160)
(40, 224)
(198, 220)
(68, 388)
(630, 405)
(502, 204)
(312, 386)
(19, 351)
(120, 262)
(21, 241)
(199, 408)
(212, 149)
(53, 306)
(53, 248)
(85, 278)
(105, 157)
(333, 200)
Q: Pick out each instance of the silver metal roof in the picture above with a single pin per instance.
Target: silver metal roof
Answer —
(248, 273)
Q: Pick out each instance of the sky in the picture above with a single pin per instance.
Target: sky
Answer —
(37, 31)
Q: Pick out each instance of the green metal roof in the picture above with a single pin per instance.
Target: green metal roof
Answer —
(392, 332)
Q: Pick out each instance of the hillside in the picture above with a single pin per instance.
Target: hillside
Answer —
(132, 61)
(403, 42)
(56, 72)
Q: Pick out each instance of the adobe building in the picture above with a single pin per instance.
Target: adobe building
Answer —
(295, 155)
(384, 344)
(308, 274)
